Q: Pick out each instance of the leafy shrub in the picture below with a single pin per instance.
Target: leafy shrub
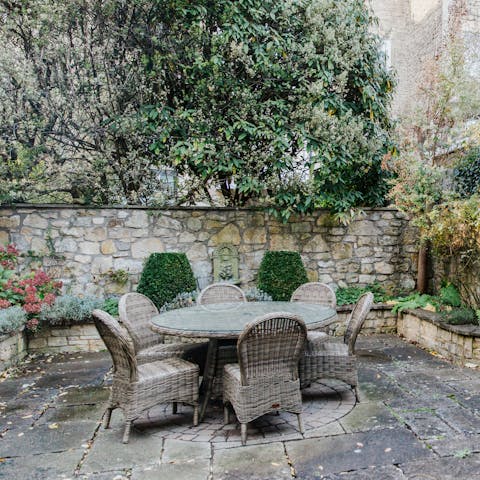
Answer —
(467, 173)
(30, 291)
(164, 276)
(254, 294)
(12, 319)
(350, 295)
(460, 316)
(449, 295)
(184, 299)
(110, 305)
(280, 274)
(415, 300)
(69, 309)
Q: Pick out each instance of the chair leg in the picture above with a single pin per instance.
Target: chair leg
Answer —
(195, 415)
(174, 408)
(226, 414)
(243, 430)
(126, 434)
(357, 393)
(108, 416)
(300, 423)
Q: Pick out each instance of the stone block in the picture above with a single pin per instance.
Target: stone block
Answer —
(143, 248)
(255, 236)
(384, 268)
(57, 341)
(194, 224)
(108, 247)
(37, 342)
(4, 237)
(228, 234)
(101, 265)
(89, 248)
(96, 234)
(284, 242)
(316, 244)
(11, 222)
(137, 219)
(342, 251)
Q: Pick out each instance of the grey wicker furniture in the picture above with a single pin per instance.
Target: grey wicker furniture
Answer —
(319, 294)
(225, 351)
(265, 379)
(135, 311)
(333, 359)
(137, 388)
(221, 293)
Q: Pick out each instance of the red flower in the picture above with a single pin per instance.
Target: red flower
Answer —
(32, 307)
(49, 299)
(4, 303)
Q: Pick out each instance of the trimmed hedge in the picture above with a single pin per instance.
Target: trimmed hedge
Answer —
(164, 276)
(281, 273)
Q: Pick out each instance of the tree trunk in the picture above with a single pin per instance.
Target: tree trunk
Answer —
(422, 280)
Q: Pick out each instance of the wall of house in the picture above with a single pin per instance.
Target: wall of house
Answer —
(85, 247)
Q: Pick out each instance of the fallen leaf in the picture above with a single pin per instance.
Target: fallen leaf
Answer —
(52, 426)
(388, 450)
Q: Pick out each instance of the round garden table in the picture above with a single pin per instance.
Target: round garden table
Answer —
(227, 321)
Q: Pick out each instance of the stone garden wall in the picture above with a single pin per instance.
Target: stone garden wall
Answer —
(90, 248)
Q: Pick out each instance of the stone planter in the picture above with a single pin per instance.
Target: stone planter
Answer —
(13, 347)
(458, 343)
(379, 320)
(66, 339)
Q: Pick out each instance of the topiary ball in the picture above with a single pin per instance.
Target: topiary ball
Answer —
(164, 276)
(281, 273)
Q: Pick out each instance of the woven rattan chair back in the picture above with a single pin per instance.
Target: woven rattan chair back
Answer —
(118, 343)
(270, 347)
(315, 292)
(135, 311)
(356, 320)
(221, 293)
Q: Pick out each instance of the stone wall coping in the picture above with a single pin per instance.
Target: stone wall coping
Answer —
(435, 319)
(375, 306)
(75, 206)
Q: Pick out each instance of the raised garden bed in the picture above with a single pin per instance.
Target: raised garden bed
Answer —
(13, 347)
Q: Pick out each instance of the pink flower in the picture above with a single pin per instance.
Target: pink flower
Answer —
(4, 303)
(49, 299)
(32, 307)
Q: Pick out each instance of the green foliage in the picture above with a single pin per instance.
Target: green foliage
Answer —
(12, 319)
(350, 295)
(280, 274)
(284, 103)
(449, 295)
(182, 300)
(110, 305)
(254, 294)
(467, 173)
(69, 310)
(278, 103)
(460, 316)
(415, 300)
(164, 276)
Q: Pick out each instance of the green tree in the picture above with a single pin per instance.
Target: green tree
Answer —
(276, 102)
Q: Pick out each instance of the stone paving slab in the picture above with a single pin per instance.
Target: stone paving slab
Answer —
(354, 451)
(419, 416)
(261, 462)
(49, 466)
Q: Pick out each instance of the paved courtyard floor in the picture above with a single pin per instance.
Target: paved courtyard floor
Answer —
(419, 418)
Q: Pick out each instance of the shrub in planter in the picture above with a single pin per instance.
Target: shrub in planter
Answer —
(12, 319)
(254, 294)
(69, 310)
(110, 305)
(164, 276)
(280, 274)
(460, 316)
(182, 300)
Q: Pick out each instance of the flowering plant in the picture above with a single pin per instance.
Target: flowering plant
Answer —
(30, 291)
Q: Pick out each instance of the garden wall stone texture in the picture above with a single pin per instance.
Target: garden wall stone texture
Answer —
(85, 247)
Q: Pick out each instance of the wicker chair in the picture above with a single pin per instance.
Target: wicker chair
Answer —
(227, 349)
(320, 294)
(335, 359)
(135, 312)
(137, 388)
(266, 377)
(221, 293)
